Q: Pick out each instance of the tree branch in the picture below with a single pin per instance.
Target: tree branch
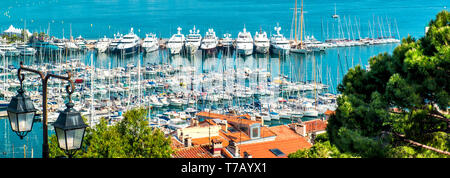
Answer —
(419, 144)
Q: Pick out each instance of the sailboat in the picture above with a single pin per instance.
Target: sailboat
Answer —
(298, 47)
(335, 16)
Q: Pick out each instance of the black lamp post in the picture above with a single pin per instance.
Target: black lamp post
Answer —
(69, 126)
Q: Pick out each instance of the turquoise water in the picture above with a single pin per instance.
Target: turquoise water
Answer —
(163, 16)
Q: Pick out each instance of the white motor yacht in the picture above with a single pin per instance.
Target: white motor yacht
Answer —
(129, 44)
(9, 50)
(176, 42)
(279, 43)
(114, 42)
(150, 43)
(244, 43)
(193, 41)
(26, 50)
(261, 42)
(102, 44)
(209, 43)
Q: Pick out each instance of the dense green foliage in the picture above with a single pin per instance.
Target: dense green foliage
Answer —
(403, 97)
(130, 138)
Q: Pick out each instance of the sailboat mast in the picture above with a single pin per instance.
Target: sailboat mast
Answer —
(301, 24)
(295, 21)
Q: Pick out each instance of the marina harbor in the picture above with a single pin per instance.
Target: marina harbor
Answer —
(223, 79)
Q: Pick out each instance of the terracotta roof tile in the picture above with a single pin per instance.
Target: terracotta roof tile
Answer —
(262, 150)
(194, 152)
(315, 125)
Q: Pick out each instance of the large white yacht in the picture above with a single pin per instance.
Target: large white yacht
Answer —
(129, 44)
(244, 43)
(279, 44)
(102, 44)
(112, 48)
(193, 41)
(150, 43)
(176, 42)
(26, 50)
(261, 42)
(9, 50)
(209, 43)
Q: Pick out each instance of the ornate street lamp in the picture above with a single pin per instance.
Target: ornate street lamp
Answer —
(70, 128)
(21, 113)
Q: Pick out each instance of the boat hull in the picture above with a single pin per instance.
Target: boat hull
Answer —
(262, 49)
(281, 51)
(150, 48)
(126, 51)
(245, 52)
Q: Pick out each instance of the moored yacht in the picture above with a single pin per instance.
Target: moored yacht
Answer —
(80, 42)
(261, 42)
(227, 41)
(114, 42)
(244, 43)
(176, 42)
(9, 50)
(26, 50)
(150, 43)
(209, 43)
(129, 44)
(279, 43)
(102, 44)
(193, 41)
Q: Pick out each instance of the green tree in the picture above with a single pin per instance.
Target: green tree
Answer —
(398, 108)
(130, 138)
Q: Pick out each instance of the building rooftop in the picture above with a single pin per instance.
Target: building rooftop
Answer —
(315, 125)
(194, 152)
(262, 150)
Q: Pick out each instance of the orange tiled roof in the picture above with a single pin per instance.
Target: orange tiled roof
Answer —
(287, 146)
(329, 112)
(315, 125)
(175, 143)
(194, 152)
(283, 132)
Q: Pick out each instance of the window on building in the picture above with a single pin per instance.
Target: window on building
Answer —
(277, 152)
(255, 132)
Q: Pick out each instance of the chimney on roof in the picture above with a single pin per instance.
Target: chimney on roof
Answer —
(194, 122)
(234, 149)
(247, 155)
(188, 141)
(299, 128)
(216, 147)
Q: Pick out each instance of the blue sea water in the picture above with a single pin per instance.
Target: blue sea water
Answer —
(96, 18)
